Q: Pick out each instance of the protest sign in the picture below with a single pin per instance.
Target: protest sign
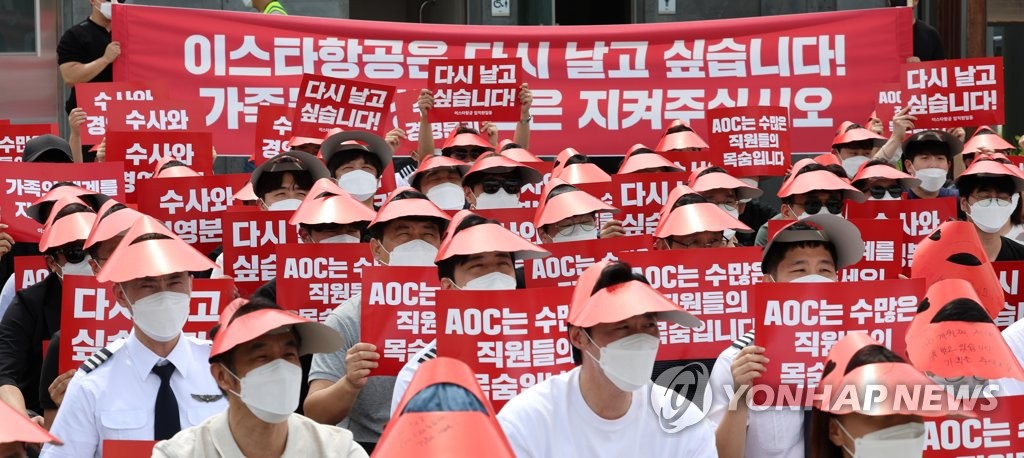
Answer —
(883, 241)
(29, 270)
(1009, 274)
(96, 98)
(748, 141)
(250, 239)
(273, 131)
(122, 448)
(568, 260)
(176, 114)
(315, 278)
(191, 206)
(474, 89)
(140, 152)
(398, 313)
(13, 138)
(325, 102)
(997, 431)
(955, 92)
(919, 216)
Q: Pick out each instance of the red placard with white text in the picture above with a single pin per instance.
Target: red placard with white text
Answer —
(96, 98)
(529, 195)
(92, 318)
(883, 241)
(140, 152)
(750, 141)
(998, 431)
(641, 196)
(474, 89)
(250, 241)
(1009, 273)
(14, 136)
(29, 270)
(954, 93)
(191, 206)
(25, 182)
(325, 102)
(568, 260)
(511, 341)
(714, 284)
(919, 216)
(273, 131)
(798, 327)
(123, 448)
(164, 115)
(315, 278)
(398, 313)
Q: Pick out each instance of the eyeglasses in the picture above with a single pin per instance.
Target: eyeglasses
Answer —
(879, 192)
(716, 243)
(510, 185)
(986, 202)
(586, 226)
(465, 154)
(73, 255)
(814, 206)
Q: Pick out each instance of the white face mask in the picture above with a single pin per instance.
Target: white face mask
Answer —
(416, 253)
(341, 238)
(491, 282)
(77, 268)
(852, 165)
(106, 9)
(161, 315)
(734, 212)
(271, 391)
(284, 205)
(629, 361)
(577, 233)
(500, 199)
(447, 196)
(361, 184)
(991, 215)
(904, 441)
(813, 278)
(932, 179)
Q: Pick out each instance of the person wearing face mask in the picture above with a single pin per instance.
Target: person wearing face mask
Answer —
(34, 314)
(440, 179)
(255, 361)
(810, 250)
(928, 156)
(495, 181)
(357, 168)
(879, 180)
(733, 196)
(855, 145)
(86, 53)
(812, 190)
(343, 388)
(475, 254)
(283, 181)
(154, 382)
(696, 224)
(603, 406)
(568, 214)
(990, 197)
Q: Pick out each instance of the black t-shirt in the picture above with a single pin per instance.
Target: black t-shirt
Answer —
(927, 43)
(754, 216)
(84, 43)
(1010, 251)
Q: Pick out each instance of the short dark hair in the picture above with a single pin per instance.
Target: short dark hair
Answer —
(642, 151)
(94, 250)
(689, 199)
(347, 155)
(511, 145)
(446, 268)
(774, 255)
(711, 169)
(678, 128)
(479, 177)
(616, 273)
(559, 190)
(962, 309)
(172, 163)
(464, 129)
(920, 147)
(270, 181)
(967, 184)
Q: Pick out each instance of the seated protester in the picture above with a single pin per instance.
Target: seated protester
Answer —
(475, 254)
(680, 137)
(730, 194)
(928, 156)
(357, 168)
(444, 392)
(567, 214)
(985, 141)
(813, 190)
(255, 361)
(153, 383)
(47, 148)
(641, 159)
(464, 143)
(283, 181)
(20, 434)
(34, 314)
(696, 225)
(879, 180)
(495, 181)
(603, 406)
(440, 179)
(517, 153)
(854, 145)
(578, 170)
(172, 168)
(990, 196)
(810, 250)
(343, 386)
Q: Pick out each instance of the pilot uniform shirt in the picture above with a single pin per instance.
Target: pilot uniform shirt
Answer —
(112, 397)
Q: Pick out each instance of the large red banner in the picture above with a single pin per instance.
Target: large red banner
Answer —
(610, 85)
(191, 206)
(397, 313)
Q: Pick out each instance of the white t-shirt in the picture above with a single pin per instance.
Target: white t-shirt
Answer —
(552, 419)
(1014, 336)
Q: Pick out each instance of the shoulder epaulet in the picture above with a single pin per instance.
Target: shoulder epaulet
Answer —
(200, 342)
(101, 356)
(430, 354)
(744, 340)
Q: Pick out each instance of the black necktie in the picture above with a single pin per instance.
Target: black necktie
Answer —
(166, 423)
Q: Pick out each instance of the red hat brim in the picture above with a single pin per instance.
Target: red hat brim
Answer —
(443, 434)
(443, 370)
(521, 155)
(582, 174)
(315, 337)
(485, 238)
(954, 251)
(626, 300)
(697, 218)
(567, 205)
(321, 208)
(166, 255)
(885, 172)
(70, 228)
(994, 169)
(17, 427)
(718, 180)
(498, 164)
(636, 162)
(407, 208)
(922, 396)
(821, 180)
(856, 135)
(437, 162)
(466, 139)
(246, 194)
(107, 226)
(680, 141)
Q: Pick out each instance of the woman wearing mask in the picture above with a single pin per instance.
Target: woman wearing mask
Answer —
(990, 197)
(879, 180)
(567, 214)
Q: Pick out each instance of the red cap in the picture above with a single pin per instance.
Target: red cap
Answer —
(484, 238)
(296, 141)
(246, 194)
(635, 162)
(821, 180)
(585, 287)
(520, 155)
(407, 207)
(565, 154)
(35, 211)
(884, 171)
(681, 141)
(316, 337)
(166, 254)
(675, 194)
(985, 137)
(625, 300)
(496, 163)
(838, 231)
(994, 169)
(466, 139)
(719, 180)
(325, 207)
(856, 134)
(175, 171)
(841, 353)
(107, 226)
(443, 370)
(798, 166)
(437, 162)
(566, 205)
(827, 159)
(954, 250)
(70, 228)
(582, 174)
(19, 428)
(697, 218)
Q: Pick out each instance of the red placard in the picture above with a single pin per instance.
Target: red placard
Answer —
(750, 141)
(92, 318)
(13, 138)
(406, 116)
(177, 114)
(640, 196)
(273, 131)
(315, 278)
(123, 448)
(529, 195)
(250, 241)
(29, 270)
(511, 340)
(998, 431)
(325, 102)
(191, 206)
(398, 313)
(919, 216)
(26, 182)
(1009, 273)
(140, 151)
(954, 93)
(883, 242)
(96, 98)
(474, 89)
(798, 326)
(568, 260)
(714, 284)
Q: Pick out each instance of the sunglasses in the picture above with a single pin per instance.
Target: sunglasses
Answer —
(466, 154)
(510, 185)
(879, 192)
(74, 255)
(814, 206)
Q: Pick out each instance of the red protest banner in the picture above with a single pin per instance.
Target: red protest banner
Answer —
(1009, 273)
(798, 326)
(273, 131)
(315, 278)
(122, 448)
(176, 114)
(919, 216)
(609, 85)
(14, 136)
(25, 183)
(325, 102)
(750, 141)
(191, 206)
(568, 260)
(954, 93)
(511, 340)
(519, 221)
(883, 241)
(474, 89)
(140, 152)
(398, 313)
(250, 241)
(641, 196)
(95, 98)
(995, 433)
(29, 270)
(714, 284)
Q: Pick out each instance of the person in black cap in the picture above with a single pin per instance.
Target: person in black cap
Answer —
(47, 148)
(928, 156)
